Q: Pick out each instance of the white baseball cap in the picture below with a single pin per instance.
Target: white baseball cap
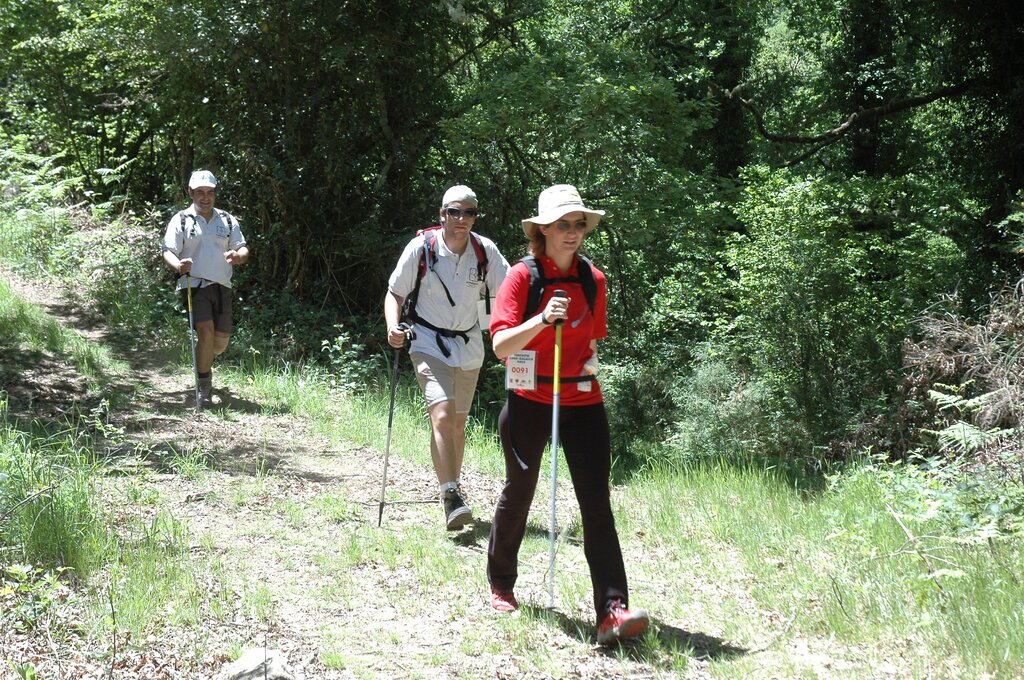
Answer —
(459, 194)
(557, 201)
(202, 178)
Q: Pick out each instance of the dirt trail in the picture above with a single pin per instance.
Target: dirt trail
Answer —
(276, 517)
(263, 475)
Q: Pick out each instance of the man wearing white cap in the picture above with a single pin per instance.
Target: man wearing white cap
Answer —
(440, 278)
(203, 245)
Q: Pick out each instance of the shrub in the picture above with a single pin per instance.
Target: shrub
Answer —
(965, 379)
(960, 409)
(351, 368)
(638, 401)
(830, 275)
(720, 412)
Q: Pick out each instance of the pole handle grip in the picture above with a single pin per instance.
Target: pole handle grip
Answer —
(559, 293)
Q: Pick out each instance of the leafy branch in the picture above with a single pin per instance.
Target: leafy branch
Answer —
(855, 120)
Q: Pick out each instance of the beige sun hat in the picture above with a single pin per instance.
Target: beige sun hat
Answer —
(557, 201)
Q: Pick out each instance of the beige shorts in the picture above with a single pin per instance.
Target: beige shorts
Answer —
(441, 382)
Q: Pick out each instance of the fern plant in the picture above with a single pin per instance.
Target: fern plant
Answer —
(962, 437)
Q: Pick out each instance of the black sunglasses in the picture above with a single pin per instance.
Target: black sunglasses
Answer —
(459, 212)
(580, 225)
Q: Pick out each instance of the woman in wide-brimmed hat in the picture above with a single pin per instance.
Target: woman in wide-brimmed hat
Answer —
(556, 235)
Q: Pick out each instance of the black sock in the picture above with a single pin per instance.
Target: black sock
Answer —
(204, 376)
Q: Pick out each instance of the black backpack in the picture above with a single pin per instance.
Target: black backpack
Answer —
(539, 283)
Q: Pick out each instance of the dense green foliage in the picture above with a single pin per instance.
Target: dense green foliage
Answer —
(788, 184)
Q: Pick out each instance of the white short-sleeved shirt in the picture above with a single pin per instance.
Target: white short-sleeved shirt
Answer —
(204, 242)
(460, 273)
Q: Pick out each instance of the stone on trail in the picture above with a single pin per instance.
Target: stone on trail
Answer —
(257, 664)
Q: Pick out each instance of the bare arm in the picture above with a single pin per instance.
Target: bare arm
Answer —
(392, 314)
(510, 340)
(240, 256)
(177, 266)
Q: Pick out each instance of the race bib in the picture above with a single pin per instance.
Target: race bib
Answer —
(521, 370)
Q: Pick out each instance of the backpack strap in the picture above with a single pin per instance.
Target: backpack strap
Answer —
(481, 267)
(428, 257)
(539, 283)
(565, 378)
(586, 274)
(423, 267)
(182, 215)
(226, 217)
(442, 334)
(223, 214)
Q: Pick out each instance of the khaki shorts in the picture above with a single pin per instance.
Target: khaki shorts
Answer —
(441, 382)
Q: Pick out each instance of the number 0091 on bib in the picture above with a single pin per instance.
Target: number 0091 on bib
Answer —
(521, 370)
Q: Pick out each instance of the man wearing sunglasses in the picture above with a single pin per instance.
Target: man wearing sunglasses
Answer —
(436, 287)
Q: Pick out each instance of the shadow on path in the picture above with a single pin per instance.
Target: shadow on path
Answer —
(693, 644)
(705, 647)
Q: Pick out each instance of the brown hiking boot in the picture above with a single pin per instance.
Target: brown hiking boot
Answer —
(206, 392)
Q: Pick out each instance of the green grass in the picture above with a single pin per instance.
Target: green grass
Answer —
(191, 464)
(835, 560)
(28, 331)
(150, 581)
(134, 577)
(50, 518)
(361, 418)
(53, 519)
(839, 562)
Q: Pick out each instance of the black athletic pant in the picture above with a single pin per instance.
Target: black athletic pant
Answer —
(583, 436)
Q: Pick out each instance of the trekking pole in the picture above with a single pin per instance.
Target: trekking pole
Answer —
(556, 387)
(192, 338)
(391, 415)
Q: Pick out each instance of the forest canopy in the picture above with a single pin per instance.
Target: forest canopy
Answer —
(790, 185)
